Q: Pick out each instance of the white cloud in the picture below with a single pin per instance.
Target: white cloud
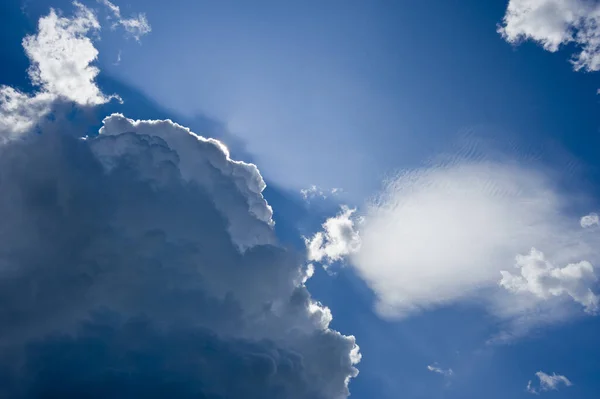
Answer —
(553, 23)
(548, 382)
(444, 233)
(589, 220)
(435, 369)
(61, 56)
(542, 279)
(310, 271)
(338, 239)
(19, 111)
(118, 60)
(137, 25)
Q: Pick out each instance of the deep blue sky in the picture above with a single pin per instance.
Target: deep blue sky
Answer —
(351, 90)
(339, 94)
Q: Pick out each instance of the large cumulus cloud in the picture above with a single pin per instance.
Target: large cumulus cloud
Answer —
(139, 240)
(141, 262)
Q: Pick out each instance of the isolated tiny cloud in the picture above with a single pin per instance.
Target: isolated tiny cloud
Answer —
(436, 369)
(547, 382)
(590, 220)
(141, 262)
(136, 25)
(554, 23)
(338, 239)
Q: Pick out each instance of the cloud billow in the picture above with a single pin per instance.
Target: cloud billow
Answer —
(141, 262)
(140, 241)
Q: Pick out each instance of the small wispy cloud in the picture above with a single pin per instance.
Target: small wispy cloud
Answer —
(434, 368)
(547, 383)
(318, 192)
(137, 25)
(118, 60)
(590, 220)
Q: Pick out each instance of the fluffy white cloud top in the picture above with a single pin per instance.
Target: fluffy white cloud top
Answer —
(61, 53)
(338, 239)
(20, 111)
(542, 279)
(141, 262)
(245, 176)
(553, 23)
(548, 382)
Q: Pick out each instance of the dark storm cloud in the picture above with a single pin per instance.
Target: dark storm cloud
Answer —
(124, 281)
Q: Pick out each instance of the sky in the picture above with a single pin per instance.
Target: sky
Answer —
(314, 199)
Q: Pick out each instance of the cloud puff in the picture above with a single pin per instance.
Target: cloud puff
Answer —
(338, 239)
(20, 111)
(245, 176)
(540, 278)
(61, 55)
(137, 25)
(553, 23)
(443, 233)
(548, 382)
(590, 220)
(435, 369)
